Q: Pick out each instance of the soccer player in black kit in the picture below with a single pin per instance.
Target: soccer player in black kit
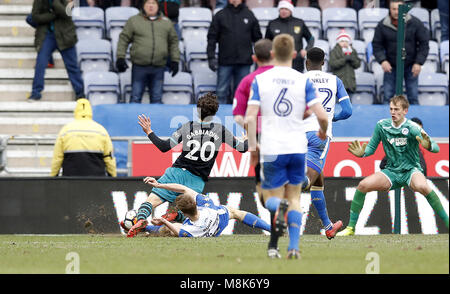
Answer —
(201, 142)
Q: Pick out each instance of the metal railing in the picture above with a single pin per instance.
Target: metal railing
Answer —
(37, 141)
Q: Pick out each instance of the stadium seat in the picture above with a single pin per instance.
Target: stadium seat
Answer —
(199, 17)
(94, 55)
(204, 81)
(368, 19)
(114, 42)
(216, 10)
(444, 56)
(89, 22)
(195, 35)
(324, 4)
(322, 44)
(177, 89)
(360, 47)
(435, 25)
(125, 86)
(311, 17)
(259, 3)
(422, 14)
(116, 18)
(101, 87)
(264, 15)
(365, 89)
(433, 89)
(336, 19)
(432, 62)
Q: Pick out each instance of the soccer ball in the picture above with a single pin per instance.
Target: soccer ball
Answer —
(130, 219)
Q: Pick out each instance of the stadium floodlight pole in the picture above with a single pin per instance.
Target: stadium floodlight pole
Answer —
(400, 71)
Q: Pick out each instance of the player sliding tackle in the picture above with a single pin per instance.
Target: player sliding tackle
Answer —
(203, 217)
(401, 138)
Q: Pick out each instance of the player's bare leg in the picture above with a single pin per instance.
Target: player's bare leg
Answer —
(375, 182)
(419, 184)
(144, 212)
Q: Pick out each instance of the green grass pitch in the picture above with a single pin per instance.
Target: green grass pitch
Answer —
(238, 254)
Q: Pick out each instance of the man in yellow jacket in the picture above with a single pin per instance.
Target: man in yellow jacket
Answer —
(83, 147)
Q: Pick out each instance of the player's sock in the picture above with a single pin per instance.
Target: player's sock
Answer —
(436, 204)
(180, 217)
(294, 220)
(318, 199)
(145, 210)
(253, 221)
(355, 208)
(273, 241)
(272, 203)
(152, 228)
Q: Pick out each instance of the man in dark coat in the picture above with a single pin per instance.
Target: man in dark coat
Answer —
(385, 51)
(287, 24)
(234, 28)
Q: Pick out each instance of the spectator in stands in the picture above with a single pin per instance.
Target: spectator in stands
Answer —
(234, 28)
(55, 30)
(29, 20)
(344, 60)
(423, 164)
(83, 147)
(153, 40)
(171, 9)
(385, 51)
(287, 24)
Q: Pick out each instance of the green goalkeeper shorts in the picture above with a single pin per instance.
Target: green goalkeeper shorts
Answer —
(398, 179)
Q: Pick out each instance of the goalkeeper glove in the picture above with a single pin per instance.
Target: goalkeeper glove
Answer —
(357, 149)
(425, 142)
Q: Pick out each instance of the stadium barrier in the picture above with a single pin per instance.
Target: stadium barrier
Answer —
(96, 205)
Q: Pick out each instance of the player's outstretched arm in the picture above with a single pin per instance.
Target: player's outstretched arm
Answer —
(146, 125)
(427, 143)
(173, 227)
(178, 188)
(357, 149)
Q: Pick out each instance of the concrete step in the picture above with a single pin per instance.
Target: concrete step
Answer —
(25, 60)
(17, 41)
(16, 2)
(15, 28)
(20, 92)
(41, 107)
(29, 156)
(28, 73)
(14, 124)
(19, 10)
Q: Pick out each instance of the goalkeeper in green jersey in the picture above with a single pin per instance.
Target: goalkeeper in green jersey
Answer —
(401, 138)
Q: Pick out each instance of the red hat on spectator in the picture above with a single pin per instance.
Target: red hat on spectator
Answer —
(286, 4)
(343, 36)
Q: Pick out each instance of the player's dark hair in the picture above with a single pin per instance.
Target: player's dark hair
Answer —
(186, 204)
(315, 56)
(207, 106)
(400, 99)
(262, 50)
(417, 121)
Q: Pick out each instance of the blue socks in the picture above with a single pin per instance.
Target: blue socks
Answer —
(318, 199)
(152, 228)
(253, 221)
(294, 220)
(272, 203)
(145, 210)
